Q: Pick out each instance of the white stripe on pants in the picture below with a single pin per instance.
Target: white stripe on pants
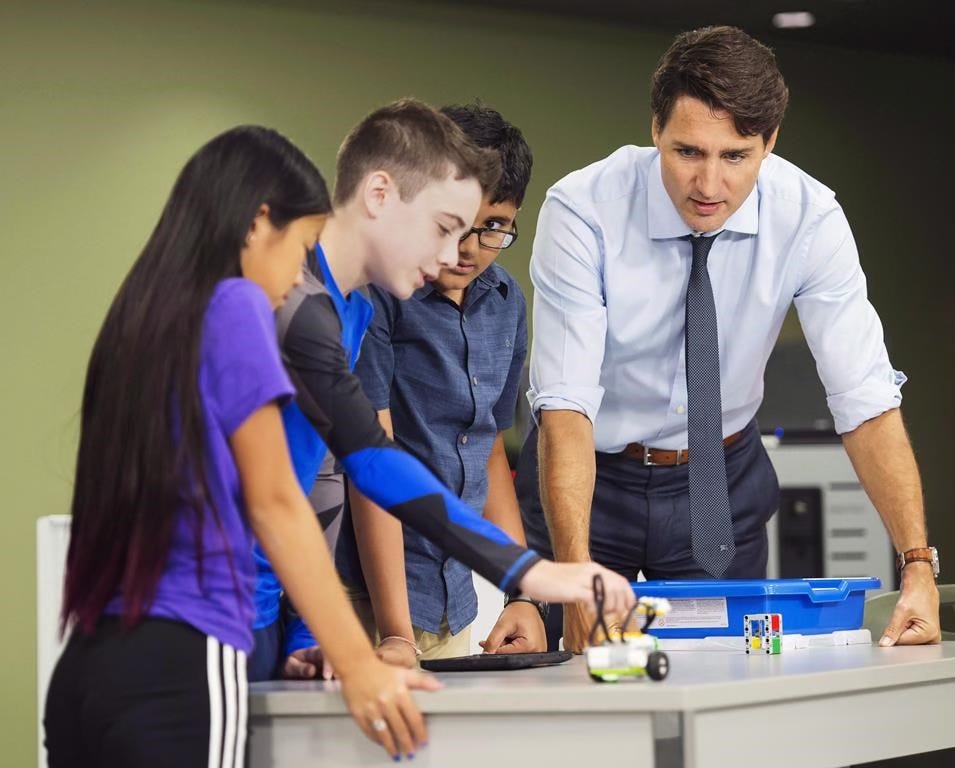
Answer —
(241, 665)
(228, 689)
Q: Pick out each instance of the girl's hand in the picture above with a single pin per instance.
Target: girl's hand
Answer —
(378, 697)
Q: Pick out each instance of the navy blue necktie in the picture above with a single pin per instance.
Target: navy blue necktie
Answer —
(711, 523)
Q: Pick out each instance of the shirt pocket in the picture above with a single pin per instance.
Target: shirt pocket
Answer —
(491, 364)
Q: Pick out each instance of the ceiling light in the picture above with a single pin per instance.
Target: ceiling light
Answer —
(793, 20)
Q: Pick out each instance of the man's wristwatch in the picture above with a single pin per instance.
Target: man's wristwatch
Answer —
(542, 607)
(918, 555)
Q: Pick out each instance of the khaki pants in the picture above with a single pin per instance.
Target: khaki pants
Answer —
(434, 645)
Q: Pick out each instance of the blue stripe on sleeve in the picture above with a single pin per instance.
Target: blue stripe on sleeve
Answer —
(389, 477)
(519, 563)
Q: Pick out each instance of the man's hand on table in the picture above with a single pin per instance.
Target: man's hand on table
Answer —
(915, 619)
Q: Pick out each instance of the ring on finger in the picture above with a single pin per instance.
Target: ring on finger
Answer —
(379, 725)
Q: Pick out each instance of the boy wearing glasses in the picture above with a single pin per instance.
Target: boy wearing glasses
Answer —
(408, 184)
(443, 370)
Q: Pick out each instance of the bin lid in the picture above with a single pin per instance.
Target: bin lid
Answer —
(817, 590)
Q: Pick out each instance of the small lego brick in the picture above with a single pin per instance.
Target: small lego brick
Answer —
(763, 632)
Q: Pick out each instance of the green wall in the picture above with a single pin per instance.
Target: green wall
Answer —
(101, 104)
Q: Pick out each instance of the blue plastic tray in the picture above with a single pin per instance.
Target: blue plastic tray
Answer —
(713, 608)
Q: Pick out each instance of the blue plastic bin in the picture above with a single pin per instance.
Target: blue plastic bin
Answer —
(714, 608)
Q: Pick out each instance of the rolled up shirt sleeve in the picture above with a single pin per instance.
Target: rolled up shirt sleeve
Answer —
(570, 314)
(843, 329)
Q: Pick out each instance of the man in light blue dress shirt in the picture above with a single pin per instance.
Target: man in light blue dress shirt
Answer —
(610, 267)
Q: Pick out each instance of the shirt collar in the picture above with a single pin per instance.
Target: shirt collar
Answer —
(665, 222)
(424, 291)
(326, 276)
(342, 303)
(489, 278)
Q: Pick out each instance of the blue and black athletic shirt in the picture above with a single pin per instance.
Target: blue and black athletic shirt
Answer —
(306, 447)
(331, 398)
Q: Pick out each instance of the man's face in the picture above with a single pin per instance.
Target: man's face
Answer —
(473, 258)
(419, 237)
(708, 168)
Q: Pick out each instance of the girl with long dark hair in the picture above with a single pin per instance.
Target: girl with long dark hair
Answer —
(182, 459)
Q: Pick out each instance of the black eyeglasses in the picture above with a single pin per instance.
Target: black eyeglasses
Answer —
(496, 239)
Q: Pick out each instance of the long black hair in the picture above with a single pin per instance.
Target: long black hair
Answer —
(142, 438)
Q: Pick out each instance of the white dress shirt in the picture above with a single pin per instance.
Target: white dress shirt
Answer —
(610, 268)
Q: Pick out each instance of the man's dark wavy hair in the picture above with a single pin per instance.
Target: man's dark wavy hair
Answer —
(726, 69)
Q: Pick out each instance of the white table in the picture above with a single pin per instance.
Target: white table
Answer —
(822, 707)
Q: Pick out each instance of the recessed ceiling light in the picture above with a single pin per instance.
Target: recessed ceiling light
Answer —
(793, 20)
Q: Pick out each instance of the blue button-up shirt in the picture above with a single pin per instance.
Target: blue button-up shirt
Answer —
(610, 267)
(450, 377)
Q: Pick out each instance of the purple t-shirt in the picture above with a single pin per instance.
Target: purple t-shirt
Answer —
(240, 371)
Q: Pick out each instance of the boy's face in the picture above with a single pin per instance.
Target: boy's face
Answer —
(416, 238)
(474, 258)
(708, 168)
